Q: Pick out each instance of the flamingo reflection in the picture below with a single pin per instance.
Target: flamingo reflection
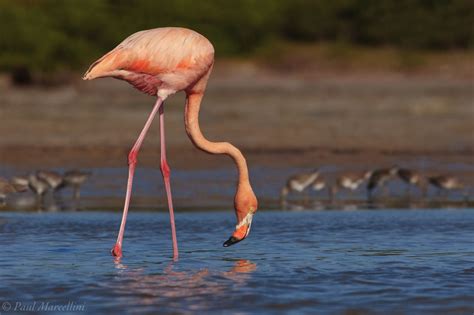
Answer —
(153, 289)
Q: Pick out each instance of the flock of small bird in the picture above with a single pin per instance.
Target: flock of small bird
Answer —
(43, 182)
(375, 180)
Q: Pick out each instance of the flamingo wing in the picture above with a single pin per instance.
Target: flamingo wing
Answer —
(162, 58)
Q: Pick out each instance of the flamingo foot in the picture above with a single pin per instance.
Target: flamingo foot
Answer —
(116, 251)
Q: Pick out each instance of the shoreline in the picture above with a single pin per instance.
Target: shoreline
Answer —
(353, 120)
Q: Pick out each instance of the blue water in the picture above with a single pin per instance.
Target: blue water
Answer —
(325, 262)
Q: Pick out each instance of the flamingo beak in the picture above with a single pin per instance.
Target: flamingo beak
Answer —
(241, 231)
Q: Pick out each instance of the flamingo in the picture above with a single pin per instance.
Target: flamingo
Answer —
(161, 62)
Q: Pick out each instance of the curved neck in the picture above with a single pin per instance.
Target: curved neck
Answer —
(191, 119)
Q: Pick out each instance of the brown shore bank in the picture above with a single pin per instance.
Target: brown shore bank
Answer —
(298, 120)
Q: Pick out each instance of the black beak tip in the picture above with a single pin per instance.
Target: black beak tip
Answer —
(231, 241)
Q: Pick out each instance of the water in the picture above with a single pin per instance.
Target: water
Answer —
(328, 262)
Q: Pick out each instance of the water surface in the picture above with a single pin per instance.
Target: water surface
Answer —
(328, 262)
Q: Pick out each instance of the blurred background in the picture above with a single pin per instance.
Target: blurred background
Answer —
(342, 85)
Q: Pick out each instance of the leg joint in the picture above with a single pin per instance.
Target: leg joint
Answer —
(132, 157)
(165, 169)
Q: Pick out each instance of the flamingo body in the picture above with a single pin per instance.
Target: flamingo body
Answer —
(161, 62)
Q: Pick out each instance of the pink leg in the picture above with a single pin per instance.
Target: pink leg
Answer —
(132, 161)
(165, 171)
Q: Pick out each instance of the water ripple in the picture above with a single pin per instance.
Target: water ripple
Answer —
(293, 262)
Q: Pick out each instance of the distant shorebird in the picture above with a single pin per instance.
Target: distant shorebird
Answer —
(75, 179)
(378, 178)
(38, 186)
(54, 179)
(6, 188)
(349, 181)
(319, 184)
(298, 183)
(445, 183)
(412, 178)
(21, 183)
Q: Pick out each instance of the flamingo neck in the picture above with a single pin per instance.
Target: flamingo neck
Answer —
(193, 104)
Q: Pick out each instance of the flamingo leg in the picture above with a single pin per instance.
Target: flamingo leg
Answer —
(132, 161)
(165, 172)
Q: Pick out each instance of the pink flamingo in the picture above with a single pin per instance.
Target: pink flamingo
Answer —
(161, 62)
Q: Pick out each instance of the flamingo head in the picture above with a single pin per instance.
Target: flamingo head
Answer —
(245, 204)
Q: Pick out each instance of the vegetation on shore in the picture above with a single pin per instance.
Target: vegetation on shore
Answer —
(52, 36)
